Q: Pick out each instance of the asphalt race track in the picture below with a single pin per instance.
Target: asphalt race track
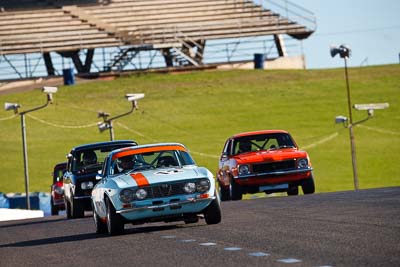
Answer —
(330, 229)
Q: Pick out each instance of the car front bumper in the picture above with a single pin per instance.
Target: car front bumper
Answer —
(274, 177)
(183, 206)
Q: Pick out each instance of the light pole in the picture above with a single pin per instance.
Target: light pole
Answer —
(13, 106)
(344, 52)
(107, 122)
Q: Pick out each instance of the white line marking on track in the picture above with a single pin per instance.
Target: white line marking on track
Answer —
(188, 240)
(208, 244)
(290, 260)
(233, 249)
(258, 254)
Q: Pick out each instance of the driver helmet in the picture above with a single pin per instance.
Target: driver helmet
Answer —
(125, 163)
(89, 157)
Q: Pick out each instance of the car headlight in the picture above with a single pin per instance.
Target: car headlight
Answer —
(203, 186)
(302, 163)
(126, 195)
(141, 194)
(87, 185)
(59, 190)
(189, 188)
(244, 169)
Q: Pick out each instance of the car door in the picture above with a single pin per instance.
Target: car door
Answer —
(99, 190)
(67, 178)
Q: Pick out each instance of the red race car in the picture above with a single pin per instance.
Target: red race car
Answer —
(263, 161)
(57, 189)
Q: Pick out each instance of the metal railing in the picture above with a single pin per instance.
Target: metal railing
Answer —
(28, 66)
(291, 11)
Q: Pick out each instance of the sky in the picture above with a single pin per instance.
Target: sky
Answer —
(371, 28)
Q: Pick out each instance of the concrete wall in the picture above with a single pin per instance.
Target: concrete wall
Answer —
(291, 62)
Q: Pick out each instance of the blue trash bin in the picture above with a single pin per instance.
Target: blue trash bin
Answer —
(19, 201)
(259, 61)
(68, 75)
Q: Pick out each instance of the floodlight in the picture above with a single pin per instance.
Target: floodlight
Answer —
(134, 97)
(341, 119)
(107, 122)
(371, 106)
(50, 89)
(102, 114)
(343, 50)
(12, 106)
(103, 126)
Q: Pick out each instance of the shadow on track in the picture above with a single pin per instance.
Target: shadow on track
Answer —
(53, 240)
(89, 236)
(19, 223)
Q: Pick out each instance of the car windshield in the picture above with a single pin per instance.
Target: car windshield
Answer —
(58, 173)
(150, 160)
(259, 142)
(91, 160)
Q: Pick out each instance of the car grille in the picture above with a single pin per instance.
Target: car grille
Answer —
(274, 166)
(165, 190)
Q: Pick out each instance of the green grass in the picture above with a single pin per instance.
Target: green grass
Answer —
(202, 109)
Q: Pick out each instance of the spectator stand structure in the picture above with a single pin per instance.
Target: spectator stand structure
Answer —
(38, 38)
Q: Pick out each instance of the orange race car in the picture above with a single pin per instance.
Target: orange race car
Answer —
(263, 161)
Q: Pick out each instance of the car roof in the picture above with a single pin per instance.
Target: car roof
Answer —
(145, 148)
(60, 165)
(258, 132)
(102, 144)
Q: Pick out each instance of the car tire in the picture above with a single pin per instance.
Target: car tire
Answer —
(68, 209)
(212, 214)
(101, 227)
(54, 209)
(115, 225)
(224, 193)
(77, 210)
(235, 190)
(308, 186)
(293, 190)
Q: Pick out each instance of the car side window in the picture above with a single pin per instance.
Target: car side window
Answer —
(228, 148)
(104, 169)
(69, 162)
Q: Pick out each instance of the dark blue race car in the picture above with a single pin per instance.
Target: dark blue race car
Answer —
(84, 163)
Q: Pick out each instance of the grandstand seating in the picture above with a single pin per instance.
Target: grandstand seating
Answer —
(49, 30)
(72, 25)
(159, 21)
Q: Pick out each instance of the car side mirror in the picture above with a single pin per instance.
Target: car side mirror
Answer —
(99, 176)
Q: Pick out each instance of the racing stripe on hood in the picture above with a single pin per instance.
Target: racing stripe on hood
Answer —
(140, 179)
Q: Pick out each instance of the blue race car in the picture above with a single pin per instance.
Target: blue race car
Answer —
(153, 183)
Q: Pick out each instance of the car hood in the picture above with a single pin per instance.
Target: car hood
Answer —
(270, 155)
(159, 176)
